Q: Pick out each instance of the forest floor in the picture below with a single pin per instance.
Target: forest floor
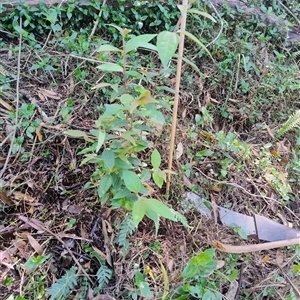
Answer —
(227, 153)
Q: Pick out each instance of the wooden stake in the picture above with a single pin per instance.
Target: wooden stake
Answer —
(176, 98)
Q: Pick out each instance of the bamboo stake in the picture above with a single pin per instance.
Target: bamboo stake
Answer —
(176, 98)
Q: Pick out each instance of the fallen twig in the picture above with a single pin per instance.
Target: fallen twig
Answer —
(254, 247)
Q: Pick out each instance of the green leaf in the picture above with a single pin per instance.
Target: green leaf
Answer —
(189, 62)
(138, 211)
(212, 295)
(145, 290)
(104, 48)
(108, 157)
(194, 39)
(152, 215)
(126, 99)
(101, 85)
(110, 67)
(155, 159)
(160, 208)
(105, 183)
(158, 179)
(78, 134)
(122, 31)
(201, 265)
(128, 136)
(167, 43)
(63, 286)
(100, 139)
(132, 181)
(139, 41)
(35, 261)
(201, 13)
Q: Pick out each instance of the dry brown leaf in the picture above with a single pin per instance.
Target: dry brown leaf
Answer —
(220, 264)
(233, 288)
(6, 105)
(109, 227)
(23, 197)
(266, 258)
(99, 252)
(41, 96)
(179, 150)
(215, 188)
(183, 115)
(207, 99)
(187, 183)
(72, 85)
(170, 264)
(279, 257)
(38, 133)
(75, 209)
(2, 159)
(270, 132)
(49, 94)
(34, 243)
(22, 246)
(31, 210)
(6, 199)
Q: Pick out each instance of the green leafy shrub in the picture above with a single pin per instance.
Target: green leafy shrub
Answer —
(122, 135)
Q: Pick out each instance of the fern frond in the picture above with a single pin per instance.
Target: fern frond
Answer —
(180, 218)
(84, 287)
(64, 285)
(292, 122)
(104, 274)
(296, 54)
(127, 228)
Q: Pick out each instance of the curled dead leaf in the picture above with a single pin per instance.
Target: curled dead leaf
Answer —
(6, 199)
(34, 243)
(23, 197)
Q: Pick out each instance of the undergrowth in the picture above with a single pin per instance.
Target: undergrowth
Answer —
(237, 140)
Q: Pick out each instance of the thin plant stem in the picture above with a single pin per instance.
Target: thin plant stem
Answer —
(176, 98)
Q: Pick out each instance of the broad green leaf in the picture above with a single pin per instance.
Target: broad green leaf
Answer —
(122, 31)
(189, 62)
(108, 48)
(128, 136)
(201, 13)
(108, 157)
(166, 281)
(160, 208)
(101, 85)
(167, 43)
(155, 159)
(145, 290)
(35, 261)
(110, 67)
(194, 39)
(154, 217)
(138, 211)
(100, 139)
(139, 41)
(202, 265)
(122, 194)
(135, 74)
(183, 8)
(76, 134)
(132, 181)
(159, 181)
(126, 99)
(212, 295)
(145, 175)
(105, 184)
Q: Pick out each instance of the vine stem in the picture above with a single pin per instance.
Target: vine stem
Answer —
(176, 98)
